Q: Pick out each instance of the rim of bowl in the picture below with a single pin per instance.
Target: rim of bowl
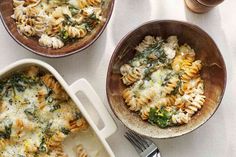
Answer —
(130, 33)
(69, 53)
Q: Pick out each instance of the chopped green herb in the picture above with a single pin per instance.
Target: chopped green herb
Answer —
(50, 91)
(47, 130)
(65, 131)
(55, 107)
(7, 133)
(17, 82)
(78, 115)
(64, 35)
(176, 90)
(30, 113)
(74, 11)
(42, 146)
(69, 21)
(93, 16)
(162, 118)
(10, 101)
(166, 79)
(2, 84)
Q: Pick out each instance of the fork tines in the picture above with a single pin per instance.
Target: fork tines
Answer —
(138, 141)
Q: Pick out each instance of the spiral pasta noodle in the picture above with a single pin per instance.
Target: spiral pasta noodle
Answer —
(26, 30)
(80, 151)
(77, 125)
(147, 42)
(45, 115)
(170, 85)
(50, 82)
(145, 98)
(131, 76)
(17, 3)
(163, 82)
(180, 118)
(192, 71)
(165, 101)
(76, 32)
(144, 112)
(130, 100)
(55, 27)
(195, 105)
(3, 144)
(52, 42)
(19, 14)
(56, 23)
(86, 3)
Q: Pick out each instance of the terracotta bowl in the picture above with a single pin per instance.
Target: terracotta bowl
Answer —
(213, 74)
(31, 44)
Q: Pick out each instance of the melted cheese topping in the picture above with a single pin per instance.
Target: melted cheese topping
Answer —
(29, 119)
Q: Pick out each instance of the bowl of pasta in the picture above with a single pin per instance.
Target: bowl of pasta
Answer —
(165, 79)
(40, 114)
(55, 28)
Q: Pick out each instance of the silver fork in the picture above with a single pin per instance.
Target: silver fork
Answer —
(144, 146)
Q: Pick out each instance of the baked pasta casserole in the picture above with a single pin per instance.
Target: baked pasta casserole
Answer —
(36, 115)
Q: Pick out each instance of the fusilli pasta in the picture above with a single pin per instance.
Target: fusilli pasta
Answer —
(52, 42)
(80, 151)
(57, 22)
(36, 115)
(164, 83)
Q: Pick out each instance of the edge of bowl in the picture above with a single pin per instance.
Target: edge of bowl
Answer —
(116, 51)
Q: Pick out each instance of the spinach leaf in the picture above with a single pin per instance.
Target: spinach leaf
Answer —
(162, 118)
(17, 82)
(47, 130)
(73, 10)
(55, 107)
(30, 113)
(42, 146)
(65, 131)
(78, 115)
(151, 63)
(69, 21)
(64, 36)
(2, 85)
(176, 90)
(7, 133)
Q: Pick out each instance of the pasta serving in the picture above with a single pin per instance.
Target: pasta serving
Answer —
(57, 22)
(163, 82)
(36, 115)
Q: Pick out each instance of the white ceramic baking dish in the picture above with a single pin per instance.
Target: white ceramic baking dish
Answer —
(80, 85)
